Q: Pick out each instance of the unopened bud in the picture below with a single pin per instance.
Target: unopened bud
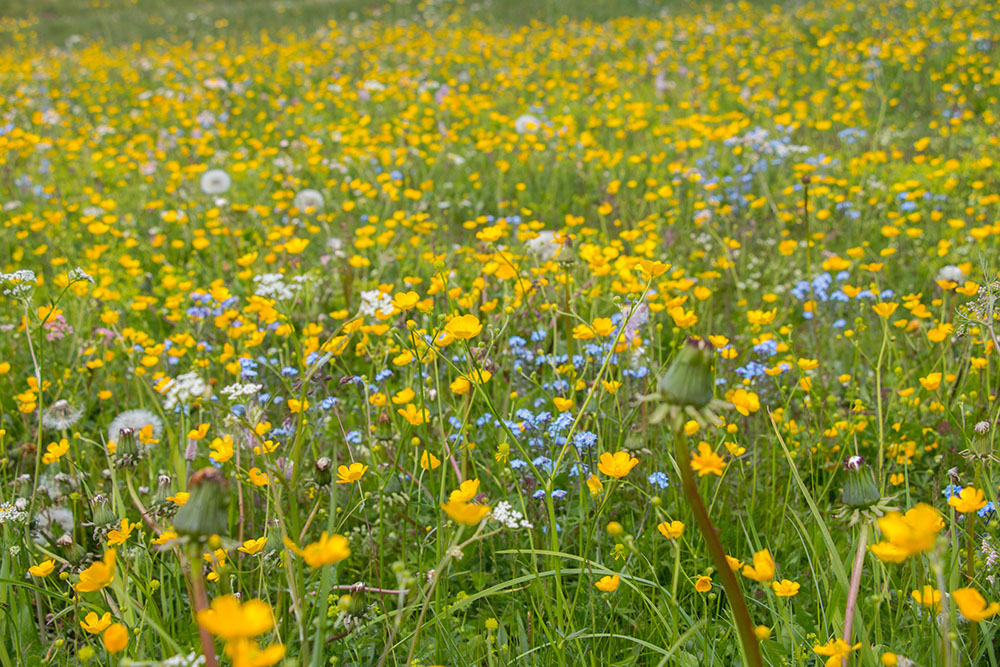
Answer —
(860, 491)
(204, 514)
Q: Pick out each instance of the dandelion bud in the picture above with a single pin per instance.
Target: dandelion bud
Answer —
(323, 475)
(162, 489)
(204, 514)
(127, 451)
(860, 491)
(688, 381)
(981, 446)
(101, 509)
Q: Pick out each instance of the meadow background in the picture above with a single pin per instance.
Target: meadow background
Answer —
(355, 334)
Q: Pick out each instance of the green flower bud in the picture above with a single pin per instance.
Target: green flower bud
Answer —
(323, 475)
(163, 489)
(101, 510)
(74, 552)
(860, 491)
(204, 514)
(127, 451)
(688, 382)
(981, 446)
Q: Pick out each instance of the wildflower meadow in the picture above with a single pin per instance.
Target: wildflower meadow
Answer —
(499, 333)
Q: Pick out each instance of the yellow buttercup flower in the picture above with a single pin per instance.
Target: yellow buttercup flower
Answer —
(594, 485)
(465, 492)
(329, 549)
(179, 498)
(617, 465)
(100, 574)
(745, 401)
(931, 381)
(973, 605)
(405, 300)
(670, 529)
(228, 618)
(884, 310)
(95, 624)
(252, 546)
(968, 500)
(836, 651)
(464, 327)
(428, 461)
(121, 534)
(706, 461)
(562, 404)
(43, 569)
(412, 414)
(115, 638)
(928, 596)
(703, 584)
(651, 269)
(608, 584)
(785, 588)
(247, 653)
(465, 513)
(351, 473)
(763, 567)
(258, 478)
(905, 535)
(165, 537)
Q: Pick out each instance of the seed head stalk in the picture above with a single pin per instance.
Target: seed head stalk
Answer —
(741, 614)
(852, 593)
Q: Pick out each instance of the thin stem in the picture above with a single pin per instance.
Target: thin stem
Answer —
(852, 593)
(201, 602)
(969, 557)
(938, 568)
(741, 614)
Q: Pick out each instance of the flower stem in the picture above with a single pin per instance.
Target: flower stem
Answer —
(201, 602)
(741, 614)
(852, 593)
(969, 562)
(937, 567)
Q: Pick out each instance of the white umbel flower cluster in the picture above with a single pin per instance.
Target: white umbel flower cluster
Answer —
(11, 513)
(234, 392)
(273, 286)
(183, 389)
(375, 302)
(79, 274)
(181, 660)
(18, 284)
(505, 513)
